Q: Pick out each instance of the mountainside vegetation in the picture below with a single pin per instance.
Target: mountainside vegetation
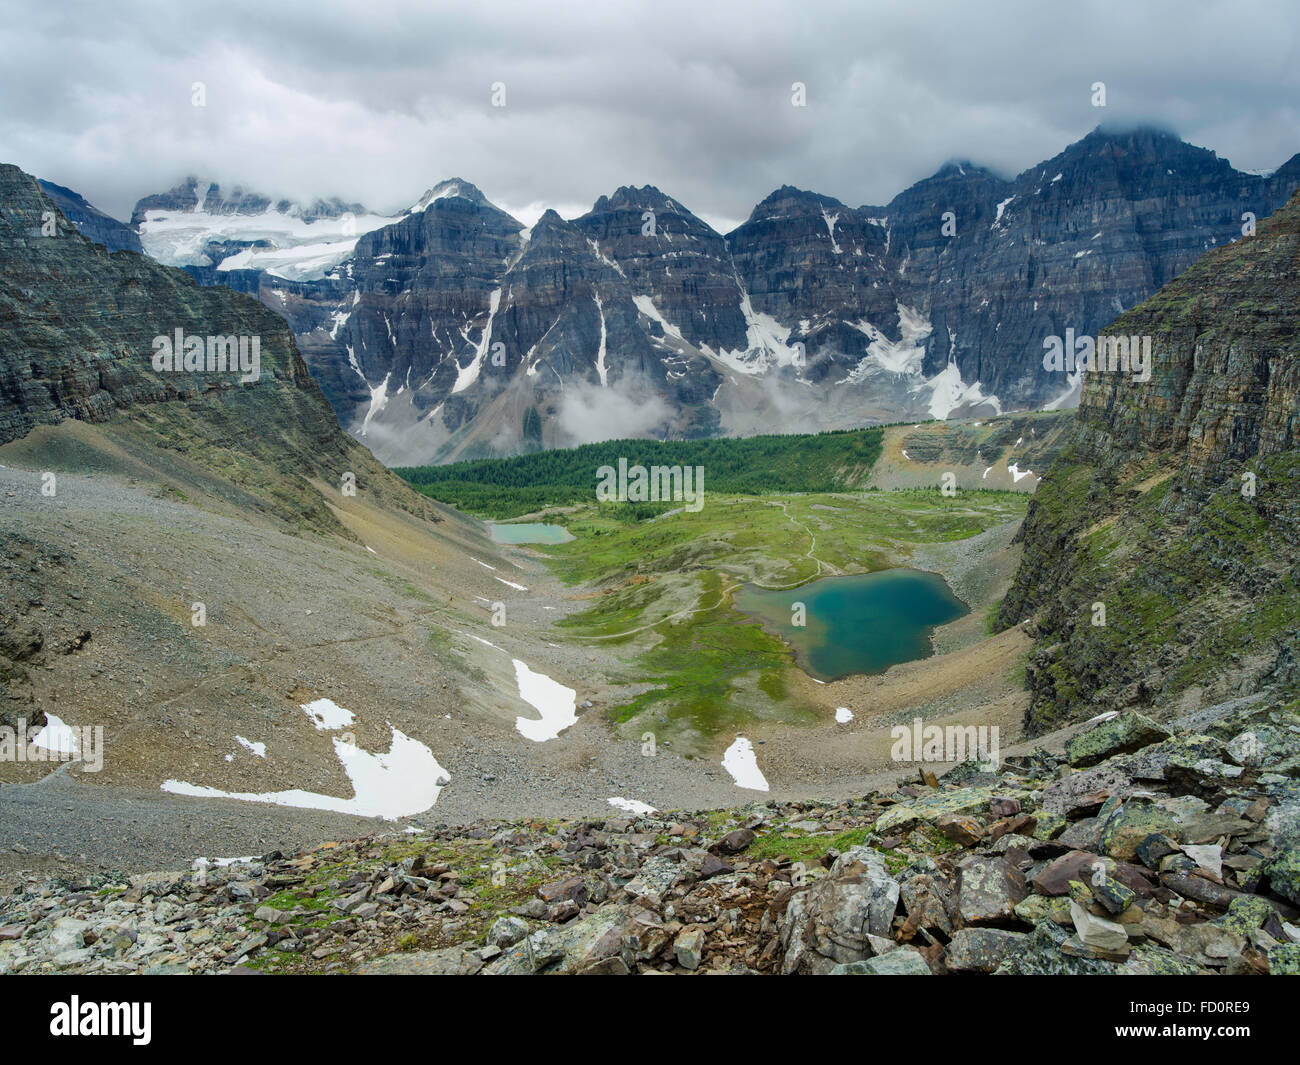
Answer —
(1160, 551)
(756, 465)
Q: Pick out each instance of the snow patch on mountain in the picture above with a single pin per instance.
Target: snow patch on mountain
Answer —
(766, 343)
(378, 400)
(904, 356)
(467, 375)
(285, 245)
(948, 392)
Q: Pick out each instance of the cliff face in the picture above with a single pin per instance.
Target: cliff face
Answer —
(1174, 504)
(77, 332)
(92, 223)
(811, 315)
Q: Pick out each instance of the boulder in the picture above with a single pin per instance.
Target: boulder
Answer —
(1119, 735)
(981, 950)
(987, 892)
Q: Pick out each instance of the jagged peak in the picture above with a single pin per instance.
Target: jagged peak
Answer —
(954, 171)
(790, 192)
(645, 196)
(790, 196)
(1110, 137)
(450, 188)
(550, 220)
(1119, 130)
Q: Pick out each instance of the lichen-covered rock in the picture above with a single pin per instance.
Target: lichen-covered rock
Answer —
(930, 808)
(1131, 823)
(981, 950)
(832, 921)
(1043, 956)
(1284, 959)
(901, 962)
(1119, 735)
(1283, 873)
(988, 890)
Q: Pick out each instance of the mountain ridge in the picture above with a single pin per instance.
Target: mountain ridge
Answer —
(1159, 551)
(809, 315)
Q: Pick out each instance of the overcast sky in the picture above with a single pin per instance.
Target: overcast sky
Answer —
(377, 101)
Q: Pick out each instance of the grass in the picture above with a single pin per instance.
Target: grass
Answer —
(798, 846)
(1191, 593)
(485, 891)
(666, 587)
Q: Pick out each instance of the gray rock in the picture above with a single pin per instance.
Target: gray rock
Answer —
(981, 950)
(904, 961)
(832, 920)
(450, 961)
(1098, 932)
(988, 890)
(506, 931)
(688, 948)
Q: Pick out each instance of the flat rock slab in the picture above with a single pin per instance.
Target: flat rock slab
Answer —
(453, 961)
(930, 808)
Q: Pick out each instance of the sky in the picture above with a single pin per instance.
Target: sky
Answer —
(376, 102)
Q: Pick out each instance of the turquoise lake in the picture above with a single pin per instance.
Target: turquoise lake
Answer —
(858, 624)
(526, 532)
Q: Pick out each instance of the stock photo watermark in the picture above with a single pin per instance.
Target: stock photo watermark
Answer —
(180, 353)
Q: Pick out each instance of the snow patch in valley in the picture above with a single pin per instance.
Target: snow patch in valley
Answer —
(843, 714)
(739, 760)
(327, 715)
(258, 749)
(632, 806)
(57, 736)
(403, 781)
(556, 703)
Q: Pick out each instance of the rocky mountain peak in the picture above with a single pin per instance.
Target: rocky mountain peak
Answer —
(93, 223)
(791, 200)
(452, 188)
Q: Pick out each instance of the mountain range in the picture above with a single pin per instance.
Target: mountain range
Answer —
(433, 332)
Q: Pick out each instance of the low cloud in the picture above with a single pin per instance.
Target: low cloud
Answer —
(377, 103)
(589, 414)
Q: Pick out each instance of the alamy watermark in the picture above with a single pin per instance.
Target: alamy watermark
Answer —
(1104, 354)
(656, 484)
(951, 743)
(54, 742)
(214, 354)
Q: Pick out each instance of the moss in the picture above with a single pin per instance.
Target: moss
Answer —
(798, 846)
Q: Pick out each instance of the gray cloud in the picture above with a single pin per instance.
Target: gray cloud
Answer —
(376, 102)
